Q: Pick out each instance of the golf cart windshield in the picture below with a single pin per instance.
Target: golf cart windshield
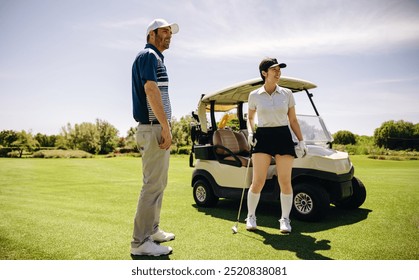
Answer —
(314, 130)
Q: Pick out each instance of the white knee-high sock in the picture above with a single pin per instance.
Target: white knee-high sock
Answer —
(252, 203)
(286, 205)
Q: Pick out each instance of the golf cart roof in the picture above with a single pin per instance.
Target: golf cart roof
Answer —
(229, 97)
(240, 92)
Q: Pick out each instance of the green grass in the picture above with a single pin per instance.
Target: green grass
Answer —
(83, 209)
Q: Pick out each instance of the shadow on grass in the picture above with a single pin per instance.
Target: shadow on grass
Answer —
(304, 246)
(268, 214)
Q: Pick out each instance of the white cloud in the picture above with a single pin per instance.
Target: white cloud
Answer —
(122, 44)
(140, 22)
(302, 29)
(391, 81)
(238, 29)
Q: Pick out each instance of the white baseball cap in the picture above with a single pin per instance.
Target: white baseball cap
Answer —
(159, 23)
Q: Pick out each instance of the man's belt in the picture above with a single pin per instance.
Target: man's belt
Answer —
(151, 122)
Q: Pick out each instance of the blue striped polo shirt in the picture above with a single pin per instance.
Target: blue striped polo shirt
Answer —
(149, 66)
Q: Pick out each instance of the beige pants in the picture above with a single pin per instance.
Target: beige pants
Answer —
(155, 172)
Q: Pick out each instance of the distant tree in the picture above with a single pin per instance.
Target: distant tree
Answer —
(64, 140)
(364, 140)
(397, 135)
(344, 137)
(7, 137)
(416, 131)
(100, 137)
(45, 140)
(229, 120)
(86, 137)
(24, 142)
(122, 142)
(108, 136)
(130, 139)
(181, 131)
(234, 124)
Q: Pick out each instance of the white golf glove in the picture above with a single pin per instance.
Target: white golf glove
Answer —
(251, 140)
(301, 149)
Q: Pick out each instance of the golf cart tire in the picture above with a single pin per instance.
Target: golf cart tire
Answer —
(311, 202)
(203, 194)
(359, 194)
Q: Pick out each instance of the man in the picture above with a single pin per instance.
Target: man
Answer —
(151, 109)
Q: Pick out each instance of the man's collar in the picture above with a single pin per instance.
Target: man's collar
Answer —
(151, 46)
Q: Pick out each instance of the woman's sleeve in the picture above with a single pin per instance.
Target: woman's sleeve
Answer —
(291, 100)
(251, 102)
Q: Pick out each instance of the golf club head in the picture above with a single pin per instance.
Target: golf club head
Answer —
(234, 229)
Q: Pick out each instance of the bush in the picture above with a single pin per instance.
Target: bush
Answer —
(46, 148)
(186, 150)
(126, 150)
(397, 135)
(375, 152)
(14, 154)
(5, 151)
(116, 154)
(344, 137)
(62, 154)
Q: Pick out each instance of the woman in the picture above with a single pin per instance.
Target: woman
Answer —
(275, 108)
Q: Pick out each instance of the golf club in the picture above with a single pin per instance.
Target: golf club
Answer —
(235, 227)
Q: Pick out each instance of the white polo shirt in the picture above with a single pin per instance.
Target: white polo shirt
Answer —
(272, 109)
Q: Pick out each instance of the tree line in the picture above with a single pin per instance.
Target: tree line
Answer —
(392, 135)
(102, 137)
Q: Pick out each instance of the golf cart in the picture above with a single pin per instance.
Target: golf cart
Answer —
(323, 177)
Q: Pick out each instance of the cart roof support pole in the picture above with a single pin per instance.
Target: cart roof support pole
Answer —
(310, 96)
(212, 112)
(242, 122)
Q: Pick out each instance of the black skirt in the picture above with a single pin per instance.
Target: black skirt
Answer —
(274, 141)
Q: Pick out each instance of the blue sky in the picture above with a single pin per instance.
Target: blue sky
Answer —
(70, 61)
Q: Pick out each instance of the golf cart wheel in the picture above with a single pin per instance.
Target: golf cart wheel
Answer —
(311, 202)
(359, 194)
(203, 194)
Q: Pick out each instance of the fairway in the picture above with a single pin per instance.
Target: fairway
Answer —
(83, 209)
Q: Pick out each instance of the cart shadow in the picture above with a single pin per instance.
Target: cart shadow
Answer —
(305, 246)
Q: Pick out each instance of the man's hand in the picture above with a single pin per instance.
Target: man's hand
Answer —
(166, 138)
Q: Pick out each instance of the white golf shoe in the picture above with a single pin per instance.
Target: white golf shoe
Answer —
(251, 222)
(149, 248)
(285, 225)
(161, 236)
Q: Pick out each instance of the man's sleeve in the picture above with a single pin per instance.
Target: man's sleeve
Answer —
(148, 69)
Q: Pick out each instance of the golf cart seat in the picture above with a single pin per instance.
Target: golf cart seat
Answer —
(231, 147)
